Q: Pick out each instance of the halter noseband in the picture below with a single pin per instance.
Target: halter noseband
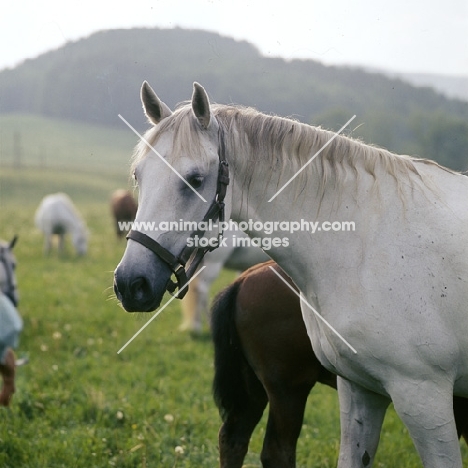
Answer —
(215, 211)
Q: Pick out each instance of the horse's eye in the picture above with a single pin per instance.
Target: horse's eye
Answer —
(195, 181)
(134, 177)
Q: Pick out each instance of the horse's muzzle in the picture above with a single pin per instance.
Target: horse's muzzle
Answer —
(140, 291)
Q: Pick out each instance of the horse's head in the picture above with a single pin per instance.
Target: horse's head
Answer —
(182, 178)
(80, 241)
(8, 284)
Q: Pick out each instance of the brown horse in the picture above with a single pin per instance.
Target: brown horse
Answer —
(263, 354)
(124, 208)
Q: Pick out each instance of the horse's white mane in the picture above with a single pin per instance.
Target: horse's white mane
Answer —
(280, 142)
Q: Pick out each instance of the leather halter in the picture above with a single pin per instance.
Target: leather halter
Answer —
(215, 212)
(10, 290)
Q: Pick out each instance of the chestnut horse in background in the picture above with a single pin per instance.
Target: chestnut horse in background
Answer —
(124, 208)
(263, 354)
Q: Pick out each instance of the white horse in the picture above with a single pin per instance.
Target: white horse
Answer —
(395, 288)
(232, 256)
(56, 215)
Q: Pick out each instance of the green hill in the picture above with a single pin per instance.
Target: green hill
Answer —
(94, 79)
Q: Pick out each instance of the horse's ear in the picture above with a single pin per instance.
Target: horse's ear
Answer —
(154, 108)
(201, 105)
(13, 242)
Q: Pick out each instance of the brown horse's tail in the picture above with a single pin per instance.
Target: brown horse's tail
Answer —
(232, 370)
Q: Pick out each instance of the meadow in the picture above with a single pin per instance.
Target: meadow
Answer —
(80, 404)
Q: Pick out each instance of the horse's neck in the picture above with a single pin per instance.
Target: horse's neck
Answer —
(312, 198)
(76, 223)
(78, 230)
(260, 192)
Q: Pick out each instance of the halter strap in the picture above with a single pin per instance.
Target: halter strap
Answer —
(215, 211)
(174, 263)
(11, 288)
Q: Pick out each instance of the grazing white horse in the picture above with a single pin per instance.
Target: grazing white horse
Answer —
(195, 305)
(56, 215)
(395, 288)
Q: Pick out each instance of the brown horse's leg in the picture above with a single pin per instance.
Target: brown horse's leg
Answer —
(235, 433)
(285, 418)
(7, 372)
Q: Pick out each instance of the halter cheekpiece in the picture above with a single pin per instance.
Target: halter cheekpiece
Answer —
(10, 281)
(215, 212)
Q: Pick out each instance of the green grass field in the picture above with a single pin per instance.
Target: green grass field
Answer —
(79, 403)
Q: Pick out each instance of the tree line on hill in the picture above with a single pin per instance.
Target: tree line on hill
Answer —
(96, 78)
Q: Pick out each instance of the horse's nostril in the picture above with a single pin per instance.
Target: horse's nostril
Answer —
(117, 292)
(139, 288)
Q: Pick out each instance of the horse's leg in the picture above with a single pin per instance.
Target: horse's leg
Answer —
(203, 301)
(61, 243)
(47, 243)
(234, 434)
(7, 372)
(205, 280)
(426, 408)
(195, 304)
(361, 413)
(189, 306)
(284, 425)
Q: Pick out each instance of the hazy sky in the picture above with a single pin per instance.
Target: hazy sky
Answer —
(400, 35)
